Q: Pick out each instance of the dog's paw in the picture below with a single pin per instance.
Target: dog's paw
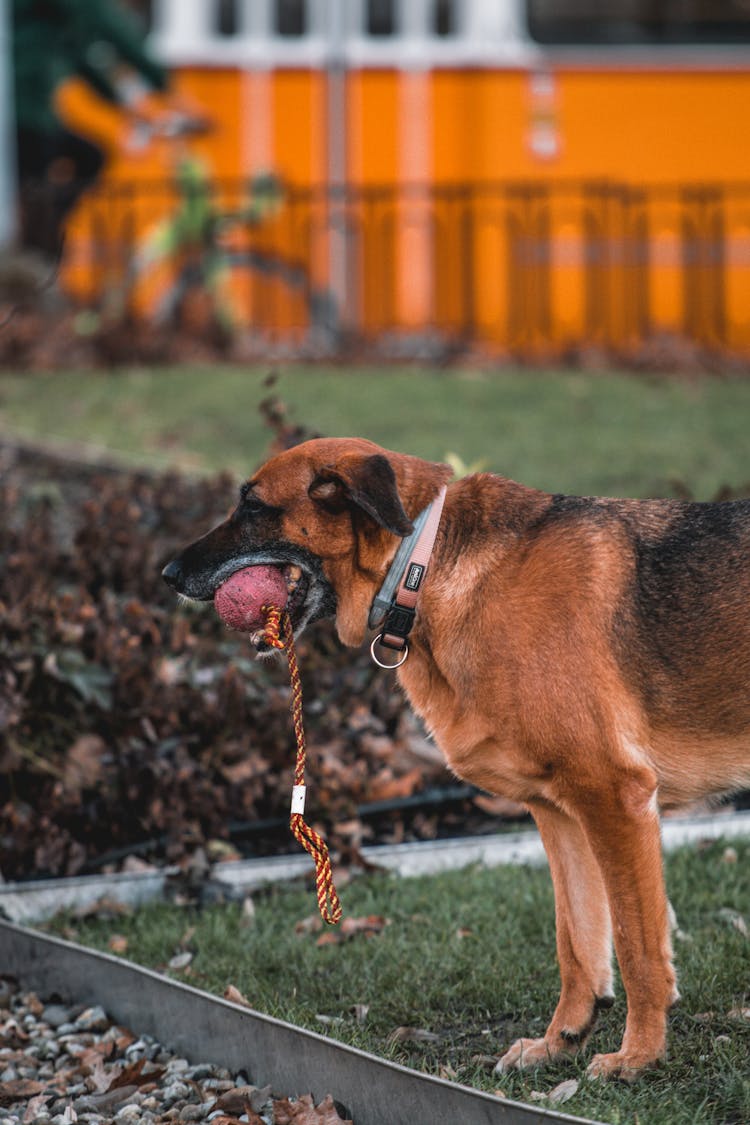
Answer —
(525, 1053)
(620, 1064)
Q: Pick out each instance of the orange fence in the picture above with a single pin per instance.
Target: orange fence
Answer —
(528, 268)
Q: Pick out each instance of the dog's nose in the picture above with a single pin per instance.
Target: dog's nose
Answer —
(172, 574)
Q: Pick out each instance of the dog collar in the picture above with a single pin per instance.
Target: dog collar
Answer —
(394, 607)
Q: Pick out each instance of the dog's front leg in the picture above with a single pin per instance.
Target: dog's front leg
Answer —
(584, 942)
(622, 826)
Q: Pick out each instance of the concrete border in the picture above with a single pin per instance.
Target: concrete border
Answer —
(36, 901)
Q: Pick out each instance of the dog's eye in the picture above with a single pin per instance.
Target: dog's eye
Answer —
(250, 504)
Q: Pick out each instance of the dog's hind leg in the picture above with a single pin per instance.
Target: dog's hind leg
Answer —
(584, 942)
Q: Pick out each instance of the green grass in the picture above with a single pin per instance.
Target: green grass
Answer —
(612, 434)
(478, 990)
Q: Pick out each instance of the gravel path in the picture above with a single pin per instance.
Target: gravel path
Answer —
(61, 1064)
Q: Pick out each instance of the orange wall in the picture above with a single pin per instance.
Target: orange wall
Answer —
(638, 125)
(635, 126)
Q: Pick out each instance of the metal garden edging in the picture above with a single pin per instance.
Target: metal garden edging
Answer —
(206, 1028)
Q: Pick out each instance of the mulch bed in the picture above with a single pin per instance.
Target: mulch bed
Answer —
(131, 726)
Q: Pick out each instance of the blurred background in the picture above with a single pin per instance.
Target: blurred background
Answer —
(326, 178)
(511, 234)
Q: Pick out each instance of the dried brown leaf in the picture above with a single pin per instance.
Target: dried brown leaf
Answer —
(18, 1088)
(236, 997)
(83, 766)
(134, 1075)
(370, 924)
(35, 1107)
(303, 1111)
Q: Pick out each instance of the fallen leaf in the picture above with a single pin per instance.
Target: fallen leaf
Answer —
(35, 1107)
(18, 1088)
(104, 908)
(133, 1075)
(236, 997)
(83, 766)
(413, 1035)
(563, 1092)
(107, 1100)
(118, 943)
(734, 918)
(360, 1012)
(388, 788)
(13, 1034)
(486, 1062)
(180, 962)
(33, 1003)
(243, 1100)
(303, 1111)
(739, 1014)
(99, 1078)
(371, 924)
(134, 865)
(124, 1039)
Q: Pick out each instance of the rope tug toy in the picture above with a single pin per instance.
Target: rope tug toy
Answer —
(278, 634)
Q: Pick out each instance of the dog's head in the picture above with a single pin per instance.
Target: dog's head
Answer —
(332, 509)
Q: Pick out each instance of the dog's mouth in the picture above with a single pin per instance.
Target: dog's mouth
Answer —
(285, 575)
(242, 595)
(297, 587)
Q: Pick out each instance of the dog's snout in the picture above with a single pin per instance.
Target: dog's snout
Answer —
(172, 574)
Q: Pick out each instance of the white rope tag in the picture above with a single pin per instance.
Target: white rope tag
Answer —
(298, 799)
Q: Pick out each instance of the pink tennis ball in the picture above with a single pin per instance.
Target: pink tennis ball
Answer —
(239, 601)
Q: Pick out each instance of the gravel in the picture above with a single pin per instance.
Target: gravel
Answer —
(61, 1064)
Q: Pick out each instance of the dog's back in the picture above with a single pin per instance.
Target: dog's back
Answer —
(679, 620)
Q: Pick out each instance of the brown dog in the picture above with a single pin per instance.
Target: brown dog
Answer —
(589, 657)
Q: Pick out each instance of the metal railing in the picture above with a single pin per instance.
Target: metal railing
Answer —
(529, 269)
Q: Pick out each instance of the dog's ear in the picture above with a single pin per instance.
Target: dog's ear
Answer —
(367, 482)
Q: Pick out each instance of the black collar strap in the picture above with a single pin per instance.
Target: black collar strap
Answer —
(394, 608)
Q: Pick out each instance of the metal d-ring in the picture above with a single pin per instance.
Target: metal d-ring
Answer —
(380, 663)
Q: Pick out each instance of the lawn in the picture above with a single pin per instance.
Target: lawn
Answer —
(615, 434)
(468, 957)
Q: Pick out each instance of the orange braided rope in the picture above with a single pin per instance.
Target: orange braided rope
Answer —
(279, 634)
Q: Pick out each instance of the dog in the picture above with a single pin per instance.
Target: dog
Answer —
(588, 657)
